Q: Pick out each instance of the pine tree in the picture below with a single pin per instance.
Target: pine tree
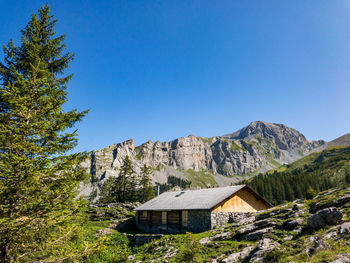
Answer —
(146, 191)
(109, 191)
(39, 215)
(125, 181)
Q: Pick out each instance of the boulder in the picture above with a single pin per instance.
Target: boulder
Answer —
(331, 235)
(256, 226)
(317, 245)
(344, 228)
(204, 240)
(264, 243)
(216, 237)
(253, 236)
(238, 256)
(221, 236)
(335, 203)
(342, 258)
(292, 224)
(327, 216)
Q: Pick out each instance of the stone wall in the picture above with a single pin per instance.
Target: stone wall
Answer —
(221, 218)
(199, 220)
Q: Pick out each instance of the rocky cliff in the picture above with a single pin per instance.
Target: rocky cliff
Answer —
(219, 160)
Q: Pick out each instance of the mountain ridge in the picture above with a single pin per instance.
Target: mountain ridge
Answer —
(214, 161)
(340, 141)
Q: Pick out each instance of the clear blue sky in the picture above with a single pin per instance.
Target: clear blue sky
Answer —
(165, 69)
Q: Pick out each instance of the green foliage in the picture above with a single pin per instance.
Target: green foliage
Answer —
(275, 255)
(319, 171)
(191, 250)
(126, 187)
(202, 178)
(121, 188)
(125, 182)
(206, 140)
(186, 247)
(310, 193)
(40, 219)
(108, 191)
(234, 147)
(146, 191)
(275, 163)
(116, 248)
(172, 182)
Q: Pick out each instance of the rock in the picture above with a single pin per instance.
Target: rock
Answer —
(144, 239)
(327, 216)
(238, 256)
(131, 257)
(297, 213)
(317, 245)
(331, 235)
(344, 228)
(288, 238)
(282, 211)
(252, 236)
(216, 237)
(264, 223)
(256, 230)
(343, 200)
(204, 240)
(170, 253)
(264, 243)
(255, 226)
(335, 203)
(242, 219)
(221, 236)
(240, 152)
(275, 212)
(292, 224)
(342, 258)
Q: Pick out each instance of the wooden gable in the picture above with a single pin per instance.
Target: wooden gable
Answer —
(244, 200)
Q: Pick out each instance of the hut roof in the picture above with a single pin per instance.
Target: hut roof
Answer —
(192, 199)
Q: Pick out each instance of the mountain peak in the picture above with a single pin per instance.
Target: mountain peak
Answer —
(284, 137)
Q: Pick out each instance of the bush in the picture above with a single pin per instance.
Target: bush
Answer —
(190, 251)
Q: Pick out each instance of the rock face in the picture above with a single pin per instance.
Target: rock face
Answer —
(259, 146)
(325, 217)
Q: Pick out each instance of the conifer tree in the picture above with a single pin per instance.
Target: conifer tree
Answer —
(125, 181)
(39, 215)
(146, 191)
(109, 191)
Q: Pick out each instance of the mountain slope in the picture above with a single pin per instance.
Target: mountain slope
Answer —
(319, 171)
(280, 234)
(223, 160)
(341, 141)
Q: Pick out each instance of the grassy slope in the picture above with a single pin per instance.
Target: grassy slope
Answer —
(321, 170)
(202, 178)
(326, 156)
(118, 247)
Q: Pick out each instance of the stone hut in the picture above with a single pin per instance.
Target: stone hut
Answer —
(197, 210)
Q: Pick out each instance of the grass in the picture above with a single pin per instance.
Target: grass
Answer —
(275, 163)
(206, 140)
(233, 146)
(202, 178)
(118, 247)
